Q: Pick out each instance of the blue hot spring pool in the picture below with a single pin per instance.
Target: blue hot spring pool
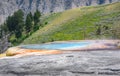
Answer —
(56, 46)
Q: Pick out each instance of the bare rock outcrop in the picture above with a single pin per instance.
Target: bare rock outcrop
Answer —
(8, 7)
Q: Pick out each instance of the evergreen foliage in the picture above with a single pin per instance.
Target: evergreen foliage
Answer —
(37, 15)
(20, 28)
(28, 23)
(15, 23)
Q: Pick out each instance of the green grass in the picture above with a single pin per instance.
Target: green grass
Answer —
(76, 24)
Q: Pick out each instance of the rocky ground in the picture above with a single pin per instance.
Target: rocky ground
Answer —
(82, 63)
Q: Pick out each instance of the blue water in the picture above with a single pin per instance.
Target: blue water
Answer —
(56, 46)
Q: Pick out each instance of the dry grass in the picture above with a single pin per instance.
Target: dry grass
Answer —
(2, 55)
(63, 27)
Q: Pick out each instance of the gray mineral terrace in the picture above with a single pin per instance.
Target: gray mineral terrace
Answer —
(103, 61)
(84, 63)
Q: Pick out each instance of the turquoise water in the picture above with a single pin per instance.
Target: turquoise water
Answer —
(56, 46)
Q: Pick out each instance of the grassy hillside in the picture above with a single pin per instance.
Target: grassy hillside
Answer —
(77, 24)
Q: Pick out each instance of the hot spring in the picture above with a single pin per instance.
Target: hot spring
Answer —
(56, 45)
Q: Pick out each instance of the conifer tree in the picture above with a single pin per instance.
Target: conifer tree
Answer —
(37, 15)
(28, 23)
(15, 23)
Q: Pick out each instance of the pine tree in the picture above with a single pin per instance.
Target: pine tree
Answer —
(37, 15)
(31, 16)
(98, 32)
(28, 23)
(18, 23)
(15, 23)
(10, 23)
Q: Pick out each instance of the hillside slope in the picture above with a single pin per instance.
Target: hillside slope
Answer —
(8, 7)
(77, 24)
